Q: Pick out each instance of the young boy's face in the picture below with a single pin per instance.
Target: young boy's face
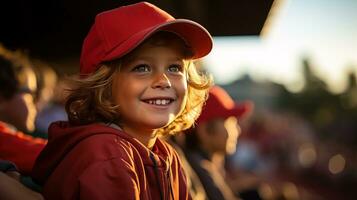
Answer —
(151, 87)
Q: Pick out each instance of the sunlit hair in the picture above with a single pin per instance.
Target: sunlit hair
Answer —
(90, 99)
(15, 68)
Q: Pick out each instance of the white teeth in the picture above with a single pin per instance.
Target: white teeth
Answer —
(159, 102)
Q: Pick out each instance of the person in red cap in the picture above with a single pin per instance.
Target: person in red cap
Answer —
(137, 82)
(214, 136)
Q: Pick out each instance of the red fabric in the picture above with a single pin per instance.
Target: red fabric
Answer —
(116, 32)
(220, 105)
(19, 148)
(100, 162)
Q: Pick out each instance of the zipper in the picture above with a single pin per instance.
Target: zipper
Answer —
(157, 175)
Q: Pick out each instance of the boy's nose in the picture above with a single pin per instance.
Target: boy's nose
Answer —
(161, 81)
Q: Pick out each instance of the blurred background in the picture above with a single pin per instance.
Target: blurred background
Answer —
(295, 59)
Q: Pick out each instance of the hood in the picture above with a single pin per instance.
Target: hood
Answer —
(63, 137)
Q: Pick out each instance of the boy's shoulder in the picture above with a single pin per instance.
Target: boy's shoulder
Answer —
(105, 142)
(79, 147)
(101, 142)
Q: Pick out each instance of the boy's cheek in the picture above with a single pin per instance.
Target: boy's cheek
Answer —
(181, 83)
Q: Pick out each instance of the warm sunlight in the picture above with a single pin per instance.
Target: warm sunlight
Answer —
(325, 34)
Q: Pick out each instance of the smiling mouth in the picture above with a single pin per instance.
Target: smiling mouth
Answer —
(159, 102)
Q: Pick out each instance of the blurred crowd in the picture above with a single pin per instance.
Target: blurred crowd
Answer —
(272, 153)
(304, 140)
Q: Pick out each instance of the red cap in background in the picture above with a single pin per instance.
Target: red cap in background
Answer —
(220, 105)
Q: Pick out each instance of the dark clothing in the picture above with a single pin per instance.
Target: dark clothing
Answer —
(196, 189)
(210, 176)
(19, 148)
(97, 162)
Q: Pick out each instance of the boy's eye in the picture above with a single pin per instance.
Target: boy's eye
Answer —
(141, 68)
(175, 68)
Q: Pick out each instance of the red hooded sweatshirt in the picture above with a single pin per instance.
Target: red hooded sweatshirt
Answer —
(99, 162)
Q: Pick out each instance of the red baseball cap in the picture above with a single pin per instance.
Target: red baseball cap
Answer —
(220, 105)
(117, 32)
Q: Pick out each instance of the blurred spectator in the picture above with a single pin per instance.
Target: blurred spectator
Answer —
(215, 136)
(194, 184)
(46, 82)
(50, 97)
(17, 111)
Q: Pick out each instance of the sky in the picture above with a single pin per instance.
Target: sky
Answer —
(325, 31)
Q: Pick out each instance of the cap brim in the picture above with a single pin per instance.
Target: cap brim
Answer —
(241, 109)
(195, 36)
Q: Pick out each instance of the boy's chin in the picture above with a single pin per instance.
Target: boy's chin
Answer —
(157, 125)
(161, 122)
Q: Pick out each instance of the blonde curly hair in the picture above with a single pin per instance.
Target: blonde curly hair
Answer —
(90, 101)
